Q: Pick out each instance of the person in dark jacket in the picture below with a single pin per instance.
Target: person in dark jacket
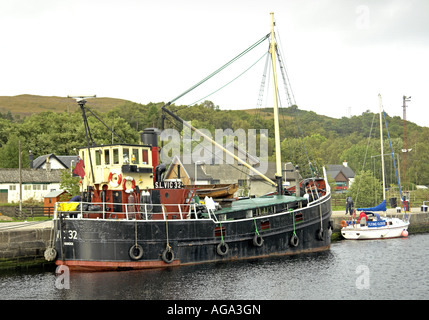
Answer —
(349, 205)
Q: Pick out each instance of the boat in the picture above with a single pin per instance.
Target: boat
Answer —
(369, 224)
(217, 191)
(128, 217)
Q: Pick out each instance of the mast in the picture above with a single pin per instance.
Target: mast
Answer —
(278, 174)
(81, 102)
(382, 150)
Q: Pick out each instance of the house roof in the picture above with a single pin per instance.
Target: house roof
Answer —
(65, 161)
(29, 176)
(242, 154)
(54, 194)
(271, 171)
(335, 169)
(189, 169)
(202, 175)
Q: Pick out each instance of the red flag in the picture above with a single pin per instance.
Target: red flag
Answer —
(80, 168)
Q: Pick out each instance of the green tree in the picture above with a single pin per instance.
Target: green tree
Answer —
(69, 183)
(357, 155)
(9, 154)
(366, 190)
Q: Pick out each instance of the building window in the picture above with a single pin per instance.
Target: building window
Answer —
(37, 187)
(242, 182)
(12, 187)
(45, 187)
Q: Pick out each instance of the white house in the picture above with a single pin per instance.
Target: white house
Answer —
(35, 184)
(52, 162)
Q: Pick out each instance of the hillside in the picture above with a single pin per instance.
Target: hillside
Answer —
(308, 136)
(26, 104)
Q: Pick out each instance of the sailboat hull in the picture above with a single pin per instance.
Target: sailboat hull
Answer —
(102, 244)
(394, 228)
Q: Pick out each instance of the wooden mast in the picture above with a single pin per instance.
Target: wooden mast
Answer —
(272, 51)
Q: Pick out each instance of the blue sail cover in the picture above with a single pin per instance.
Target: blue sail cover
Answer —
(380, 207)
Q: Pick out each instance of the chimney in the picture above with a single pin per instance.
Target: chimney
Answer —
(48, 164)
(30, 159)
(345, 163)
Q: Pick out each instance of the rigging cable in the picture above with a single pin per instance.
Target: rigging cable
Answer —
(283, 69)
(104, 125)
(397, 177)
(286, 82)
(221, 68)
(230, 81)
(364, 160)
(290, 96)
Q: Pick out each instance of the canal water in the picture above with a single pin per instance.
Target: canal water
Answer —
(373, 269)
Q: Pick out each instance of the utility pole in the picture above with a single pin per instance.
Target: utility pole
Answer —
(20, 177)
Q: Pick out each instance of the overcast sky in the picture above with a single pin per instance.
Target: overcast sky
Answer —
(339, 53)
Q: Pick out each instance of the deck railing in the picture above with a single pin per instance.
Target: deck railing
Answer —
(143, 211)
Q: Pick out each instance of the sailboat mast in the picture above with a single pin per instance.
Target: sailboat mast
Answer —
(381, 142)
(272, 51)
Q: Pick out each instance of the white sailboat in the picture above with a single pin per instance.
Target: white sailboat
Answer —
(369, 224)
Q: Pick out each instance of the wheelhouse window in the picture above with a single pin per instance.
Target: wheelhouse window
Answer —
(107, 156)
(135, 159)
(115, 156)
(97, 157)
(125, 156)
(145, 156)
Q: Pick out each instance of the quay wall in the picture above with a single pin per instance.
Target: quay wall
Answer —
(23, 246)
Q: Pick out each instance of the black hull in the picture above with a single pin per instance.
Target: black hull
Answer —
(102, 244)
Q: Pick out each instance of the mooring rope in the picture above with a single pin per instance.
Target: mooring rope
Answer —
(256, 228)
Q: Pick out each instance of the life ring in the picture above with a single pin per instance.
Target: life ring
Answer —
(343, 223)
(50, 254)
(294, 241)
(133, 184)
(117, 183)
(220, 251)
(258, 241)
(136, 252)
(168, 256)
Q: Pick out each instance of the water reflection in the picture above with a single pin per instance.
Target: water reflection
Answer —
(395, 269)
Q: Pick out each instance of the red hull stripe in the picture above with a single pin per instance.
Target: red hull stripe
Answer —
(80, 265)
(109, 265)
